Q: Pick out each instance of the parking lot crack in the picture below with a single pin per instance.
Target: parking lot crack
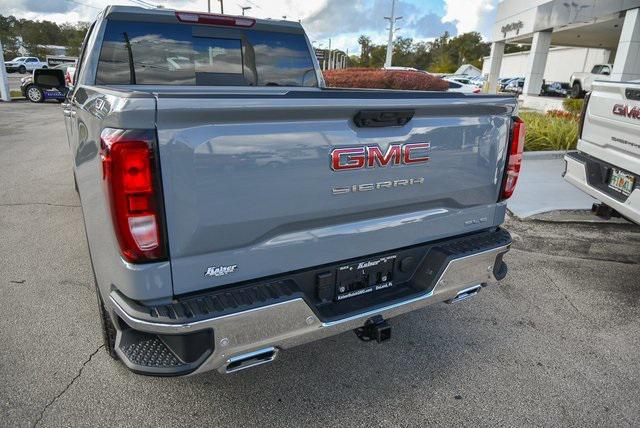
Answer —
(66, 388)
(566, 297)
(21, 204)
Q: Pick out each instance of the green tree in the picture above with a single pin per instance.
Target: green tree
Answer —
(8, 37)
(36, 34)
(516, 48)
(422, 57)
(378, 56)
(365, 51)
(442, 58)
(403, 52)
(468, 48)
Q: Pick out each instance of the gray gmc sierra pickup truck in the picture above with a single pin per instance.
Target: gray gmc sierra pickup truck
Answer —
(235, 207)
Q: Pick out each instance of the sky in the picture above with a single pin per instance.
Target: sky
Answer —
(342, 21)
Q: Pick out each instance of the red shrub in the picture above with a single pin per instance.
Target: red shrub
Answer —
(373, 78)
(563, 114)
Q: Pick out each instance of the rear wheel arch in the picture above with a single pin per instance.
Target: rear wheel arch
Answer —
(107, 326)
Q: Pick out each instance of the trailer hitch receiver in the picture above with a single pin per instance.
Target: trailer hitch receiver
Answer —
(375, 328)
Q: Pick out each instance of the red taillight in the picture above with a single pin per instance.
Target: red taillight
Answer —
(476, 90)
(130, 174)
(514, 161)
(214, 19)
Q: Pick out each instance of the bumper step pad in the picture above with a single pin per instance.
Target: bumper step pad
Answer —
(151, 352)
(163, 355)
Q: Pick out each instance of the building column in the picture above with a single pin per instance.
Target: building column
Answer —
(495, 64)
(5, 95)
(537, 63)
(627, 63)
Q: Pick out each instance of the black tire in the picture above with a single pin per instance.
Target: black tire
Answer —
(108, 329)
(22, 69)
(576, 90)
(34, 94)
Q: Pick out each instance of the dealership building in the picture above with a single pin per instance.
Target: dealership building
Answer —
(566, 36)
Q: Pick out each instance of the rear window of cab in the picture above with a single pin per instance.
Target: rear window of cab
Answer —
(144, 53)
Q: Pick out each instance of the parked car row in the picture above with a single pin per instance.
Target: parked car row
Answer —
(515, 85)
(477, 81)
(456, 85)
(461, 84)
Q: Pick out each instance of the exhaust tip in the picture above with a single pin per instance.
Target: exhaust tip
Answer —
(250, 359)
(465, 294)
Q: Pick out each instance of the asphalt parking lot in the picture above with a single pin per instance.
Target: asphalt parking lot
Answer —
(554, 344)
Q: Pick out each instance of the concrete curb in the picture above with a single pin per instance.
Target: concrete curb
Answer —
(546, 154)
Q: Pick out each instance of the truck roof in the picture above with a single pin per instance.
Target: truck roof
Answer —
(140, 14)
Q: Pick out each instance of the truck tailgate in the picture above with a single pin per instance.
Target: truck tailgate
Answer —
(612, 124)
(249, 189)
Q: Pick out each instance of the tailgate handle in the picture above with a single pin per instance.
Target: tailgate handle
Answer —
(633, 94)
(382, 118)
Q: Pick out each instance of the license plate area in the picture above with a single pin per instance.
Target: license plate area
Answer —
(621, 181)
(364, 277)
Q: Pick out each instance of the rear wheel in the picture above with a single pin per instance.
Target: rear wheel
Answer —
(576, 90)
(22, 69)
(34, 94)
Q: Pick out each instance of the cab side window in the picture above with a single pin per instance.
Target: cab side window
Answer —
(82, 56)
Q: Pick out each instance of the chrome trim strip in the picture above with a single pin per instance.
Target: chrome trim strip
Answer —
(291, 323)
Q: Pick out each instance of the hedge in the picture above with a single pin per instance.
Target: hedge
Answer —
(372, 78)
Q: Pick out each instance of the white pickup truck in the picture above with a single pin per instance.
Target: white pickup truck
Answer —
(23, 64)
(607, 163)
(582, 82)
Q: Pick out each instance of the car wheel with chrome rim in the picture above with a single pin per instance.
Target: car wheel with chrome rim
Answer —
(34, 94)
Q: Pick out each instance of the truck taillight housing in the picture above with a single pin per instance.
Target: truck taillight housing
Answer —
(132, 183)
(514, 160)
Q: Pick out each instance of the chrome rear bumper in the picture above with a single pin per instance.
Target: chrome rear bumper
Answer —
(293, 322)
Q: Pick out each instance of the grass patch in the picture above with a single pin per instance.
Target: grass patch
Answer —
(549, 132)
(15, 94)
(573, 106)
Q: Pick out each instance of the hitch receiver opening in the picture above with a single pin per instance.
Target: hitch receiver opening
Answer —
(375, 328)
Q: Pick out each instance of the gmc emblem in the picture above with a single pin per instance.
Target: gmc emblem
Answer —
(626, 111)
(372, 156)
